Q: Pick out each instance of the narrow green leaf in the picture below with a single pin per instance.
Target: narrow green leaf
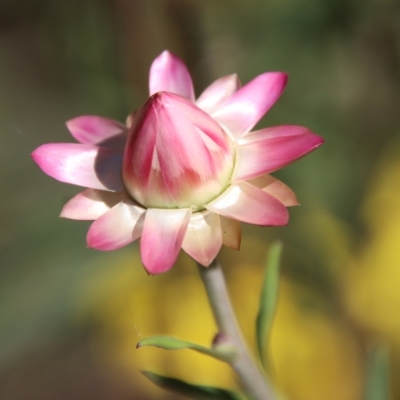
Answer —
(377, 379)
(268, 299)
(170, 343)
(196, 392)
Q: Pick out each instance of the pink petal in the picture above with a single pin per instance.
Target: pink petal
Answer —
(168, 73)
(270, 149)
(118, 227)
(274, 132)
(241, 111)
(91, 129)
(276, 188)
(81, 164)
(250, 204)
(162, 237)
(90, 204)
(218, 92)
(203, 238)
(231, 232)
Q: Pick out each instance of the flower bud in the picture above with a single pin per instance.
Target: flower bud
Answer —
(176, 155)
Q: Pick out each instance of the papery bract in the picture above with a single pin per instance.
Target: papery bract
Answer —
(183, 173)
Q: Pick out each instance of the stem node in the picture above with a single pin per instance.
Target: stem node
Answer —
(253, 381)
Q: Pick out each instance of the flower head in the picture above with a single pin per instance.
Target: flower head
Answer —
(184, 173)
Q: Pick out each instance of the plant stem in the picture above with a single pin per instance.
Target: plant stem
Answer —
(253, 381)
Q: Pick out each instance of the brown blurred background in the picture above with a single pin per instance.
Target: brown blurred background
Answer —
(70, 317)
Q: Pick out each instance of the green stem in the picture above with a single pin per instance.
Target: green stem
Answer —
(253, 381)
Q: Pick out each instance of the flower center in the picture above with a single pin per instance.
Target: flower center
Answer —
(176, 155)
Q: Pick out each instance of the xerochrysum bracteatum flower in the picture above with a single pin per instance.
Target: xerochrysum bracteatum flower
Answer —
(183, 173)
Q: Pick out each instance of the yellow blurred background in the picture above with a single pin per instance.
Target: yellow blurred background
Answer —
(70, 317)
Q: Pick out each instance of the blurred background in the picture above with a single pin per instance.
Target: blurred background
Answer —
(70, 317)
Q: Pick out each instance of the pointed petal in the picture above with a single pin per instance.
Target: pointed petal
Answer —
(90, 204)
(203, 238)
(118, 227)
(91, 129)
(276, 188)
(169, 73)
(231, 232)
(241, 111)
(250, 204)
(218, 92)
(270, 149)
(275, 132)
(81, 164)
(162, 237)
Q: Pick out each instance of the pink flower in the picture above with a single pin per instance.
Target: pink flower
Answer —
(185, 172)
